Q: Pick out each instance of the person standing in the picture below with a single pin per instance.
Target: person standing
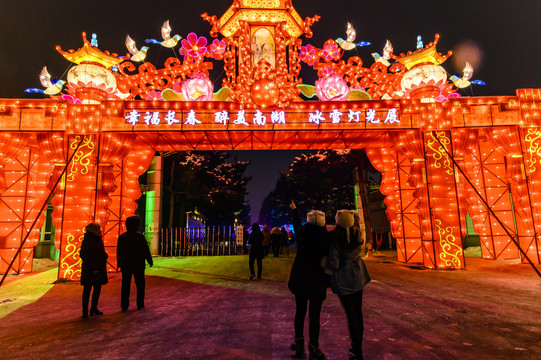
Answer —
(307, 280)
(275, 239)
(256, 251)
(93, 268)
(349, 275)
(285, 240)
(266, 241)
(132, 251)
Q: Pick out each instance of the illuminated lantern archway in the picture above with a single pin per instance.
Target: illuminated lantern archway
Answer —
(425, 139)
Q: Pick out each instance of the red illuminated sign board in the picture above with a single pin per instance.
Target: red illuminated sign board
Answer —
(342, 116)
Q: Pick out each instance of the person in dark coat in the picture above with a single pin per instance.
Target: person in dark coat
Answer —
(307, 280)
(131, 252)
(284, 244)
(256, 251)
(349, 275)
(94, 268)
(266, 241)
(276, 240)
(245, 236)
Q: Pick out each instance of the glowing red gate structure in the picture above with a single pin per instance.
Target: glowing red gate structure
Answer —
(415, 132)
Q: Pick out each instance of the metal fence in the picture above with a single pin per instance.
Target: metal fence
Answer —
(209, 241)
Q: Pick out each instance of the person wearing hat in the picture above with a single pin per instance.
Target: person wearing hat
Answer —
(307, 280)
(349, 274)
(93, 268)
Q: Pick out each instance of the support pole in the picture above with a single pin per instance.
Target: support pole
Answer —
(153, 204)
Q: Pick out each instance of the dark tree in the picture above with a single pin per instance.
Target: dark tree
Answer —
(275, 206)
(208, 182)
(322, 181)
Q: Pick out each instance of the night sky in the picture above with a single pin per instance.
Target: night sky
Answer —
(500, 39)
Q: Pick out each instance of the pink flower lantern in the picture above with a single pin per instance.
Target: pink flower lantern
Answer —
(308, 54)
(198, 88)
(194, 46)
(327, 71)
(154, 95)
(217, 47)
(331, 52)
(332, 88)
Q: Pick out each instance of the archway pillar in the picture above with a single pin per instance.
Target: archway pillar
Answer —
(442, 242)
(83, 193)
(399, 200)
(153, 204)
(432, 178)
(531, 242)
(22, 193)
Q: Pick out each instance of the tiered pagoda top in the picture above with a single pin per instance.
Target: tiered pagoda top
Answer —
(261, 11)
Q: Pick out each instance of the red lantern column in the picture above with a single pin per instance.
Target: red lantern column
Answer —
(80, 197)
(486, 167)
(413, 192)
(446, 244)
(79, 206)
(519, 220)
(531, 243)
(21, 198)
(399, 200)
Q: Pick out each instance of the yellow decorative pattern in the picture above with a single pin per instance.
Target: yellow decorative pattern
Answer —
(262, 4)
(82, 158)
(263, 17)
(450, 251)
(440, 153)
(71, 263)
(534, 148)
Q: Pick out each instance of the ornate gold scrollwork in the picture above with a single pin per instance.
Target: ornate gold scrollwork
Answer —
(439, 151)
(82, 157)
(447, 244)
(534, 148)
(72, 270)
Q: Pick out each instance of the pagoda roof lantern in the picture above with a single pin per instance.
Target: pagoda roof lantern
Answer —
(260, 12)
(422, 56)
(91, 54)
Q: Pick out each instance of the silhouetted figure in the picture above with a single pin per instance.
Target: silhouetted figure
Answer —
(245, 236)
(266, 241)
(307, 280)
(132, 251)
(94, 268)
(284, 244)
(276, 240)
(349, 275)
(256, 251)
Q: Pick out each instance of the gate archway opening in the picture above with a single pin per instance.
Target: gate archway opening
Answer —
(424, 138)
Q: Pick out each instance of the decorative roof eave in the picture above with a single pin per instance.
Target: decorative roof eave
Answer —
(426, 55)
(293, 27)
(92, 54)
(277, 11)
